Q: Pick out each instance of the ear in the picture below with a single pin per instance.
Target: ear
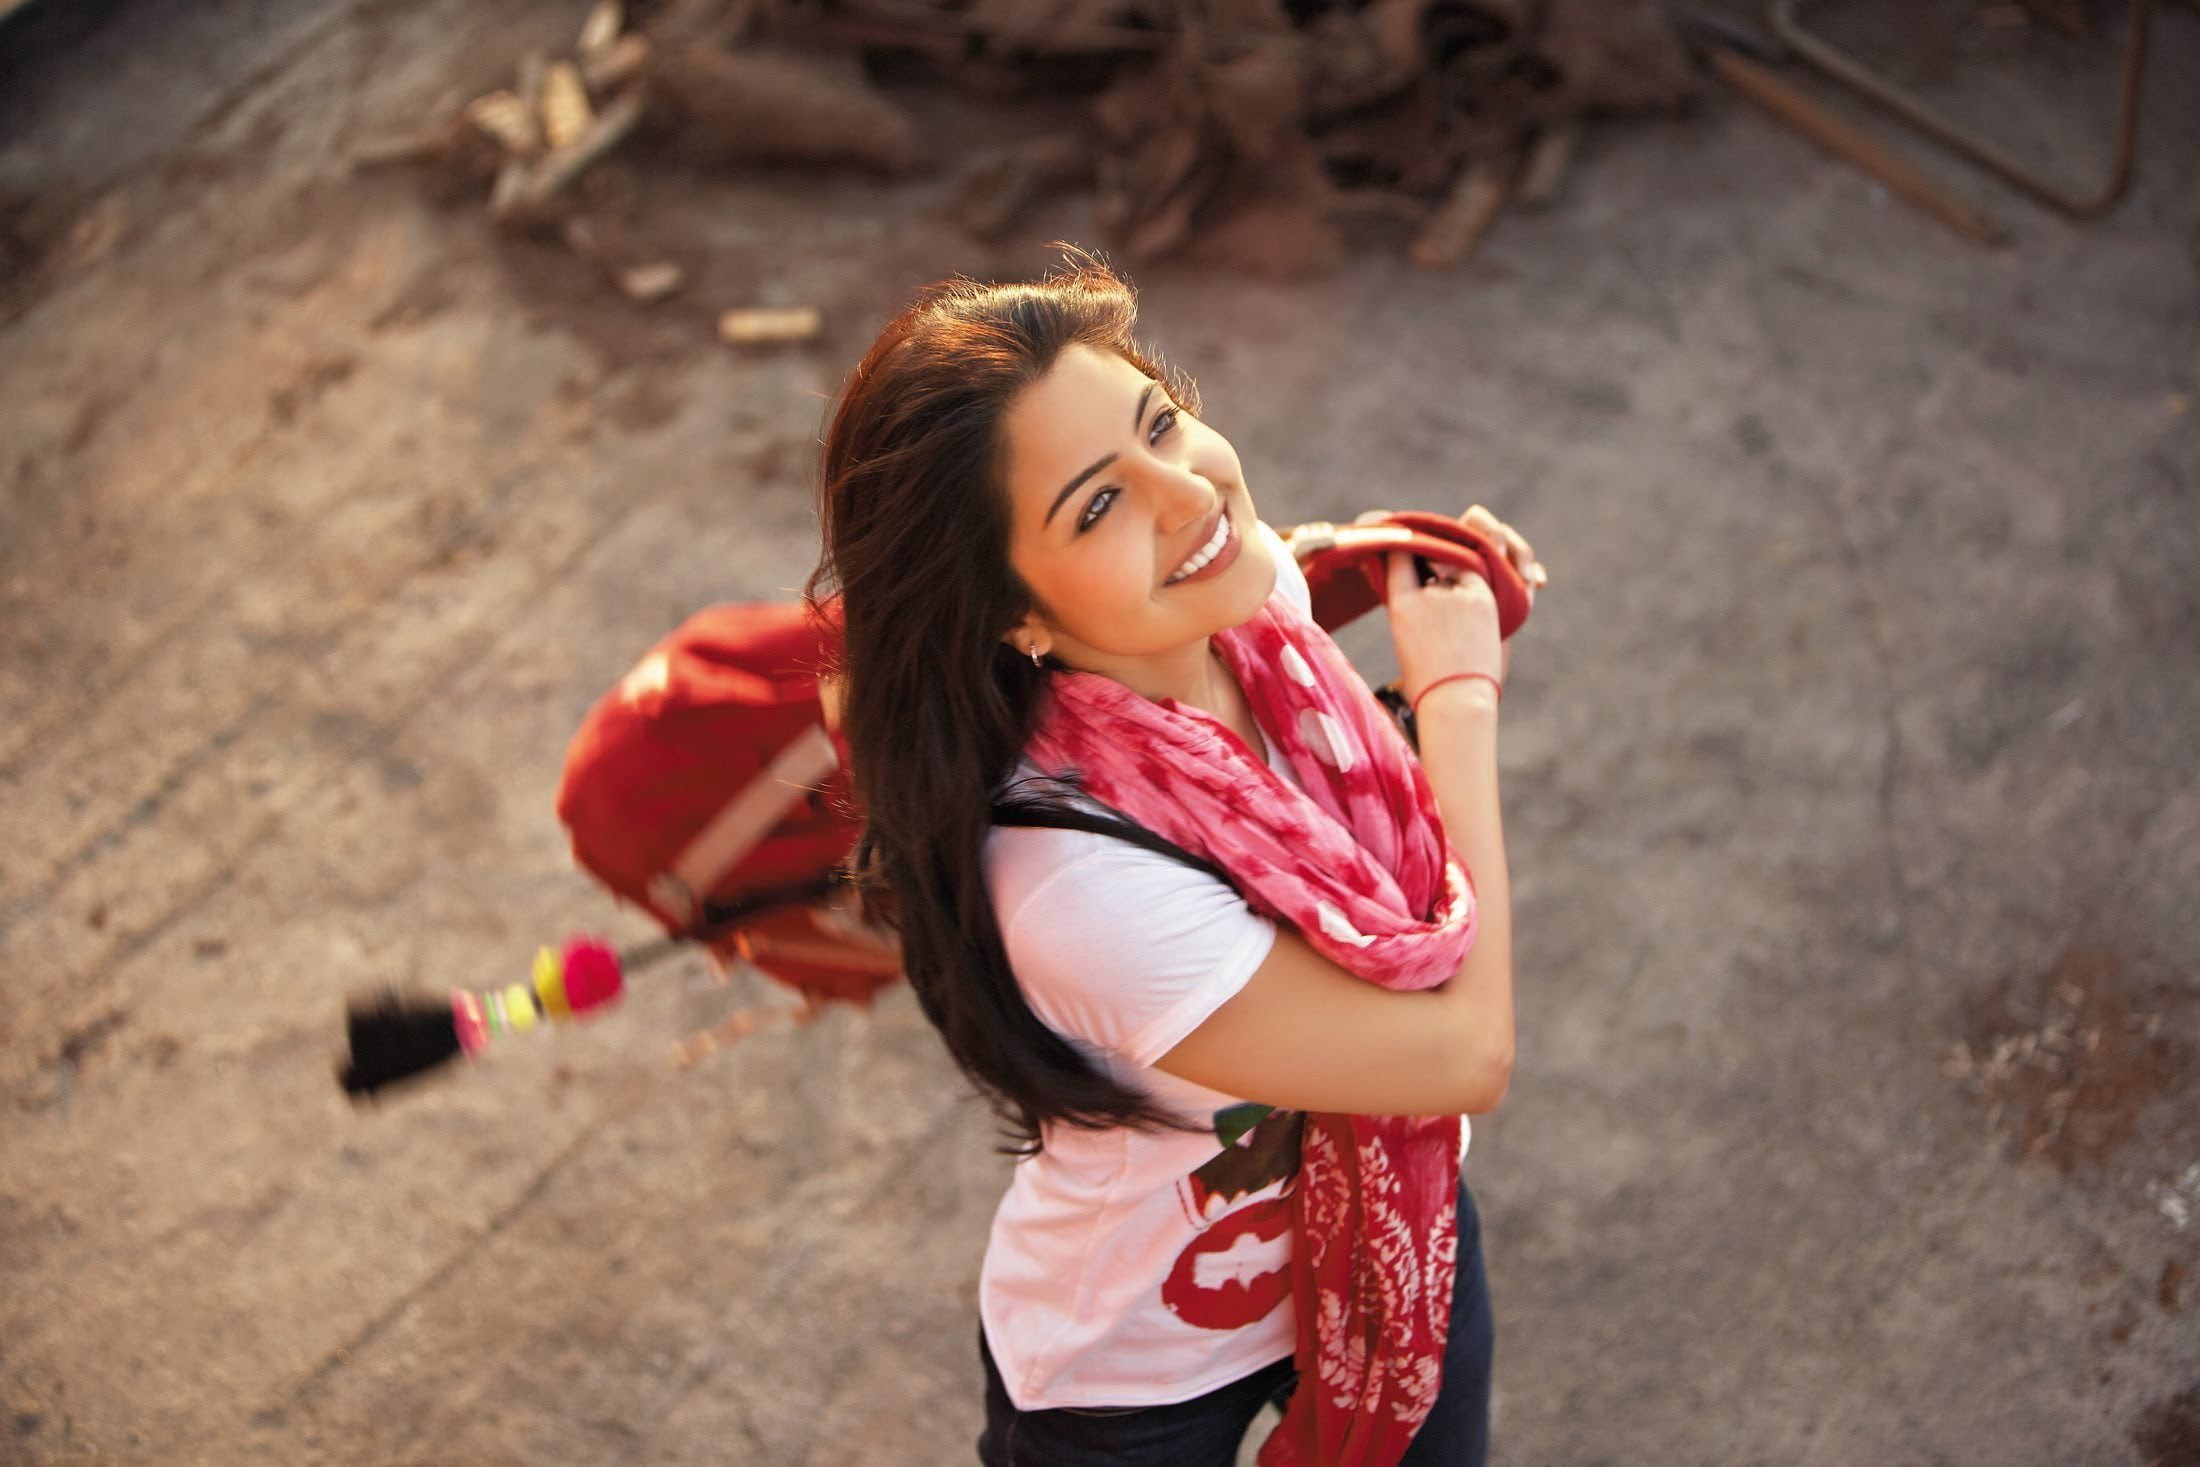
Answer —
(1028, 634)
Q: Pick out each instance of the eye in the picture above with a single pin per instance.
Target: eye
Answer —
(1164, 422)
(1096, 508)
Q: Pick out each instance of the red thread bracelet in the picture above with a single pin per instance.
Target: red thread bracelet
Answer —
(1452, 677)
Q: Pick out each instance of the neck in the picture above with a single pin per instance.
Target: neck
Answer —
(1187, 673)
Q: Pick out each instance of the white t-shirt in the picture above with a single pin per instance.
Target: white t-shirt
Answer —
(1129, 1268)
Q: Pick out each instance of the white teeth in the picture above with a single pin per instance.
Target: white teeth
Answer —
(1207, 552)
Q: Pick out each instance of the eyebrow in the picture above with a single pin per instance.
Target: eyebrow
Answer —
(1099, 463)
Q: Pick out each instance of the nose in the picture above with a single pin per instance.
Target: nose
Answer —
(1181, 496)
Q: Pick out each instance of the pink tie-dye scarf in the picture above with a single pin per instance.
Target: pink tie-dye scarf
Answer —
(1357, 862)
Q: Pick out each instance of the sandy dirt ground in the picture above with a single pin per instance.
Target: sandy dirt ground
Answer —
(1850, 772)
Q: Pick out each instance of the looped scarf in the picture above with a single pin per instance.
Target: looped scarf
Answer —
(1358, 863)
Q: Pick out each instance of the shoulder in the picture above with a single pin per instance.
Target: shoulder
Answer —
(1039, 871)
(1115, 945)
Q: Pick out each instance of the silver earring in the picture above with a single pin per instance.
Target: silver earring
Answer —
(1034, 650)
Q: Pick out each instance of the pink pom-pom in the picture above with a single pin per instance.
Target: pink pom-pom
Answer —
(592, 976)
(467, 1019)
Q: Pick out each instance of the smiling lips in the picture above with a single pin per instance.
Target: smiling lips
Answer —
(1211, 557)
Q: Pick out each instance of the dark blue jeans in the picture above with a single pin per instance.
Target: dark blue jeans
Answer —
(1207, 1430)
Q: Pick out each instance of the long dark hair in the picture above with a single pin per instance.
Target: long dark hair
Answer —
(936, 706)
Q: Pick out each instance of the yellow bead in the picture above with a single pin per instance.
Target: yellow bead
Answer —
(519, 1008)
(550, 984)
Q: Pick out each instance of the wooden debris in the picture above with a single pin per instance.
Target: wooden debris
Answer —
(603, 242)
(677, 22)
(1355, 60)
(1550, 156)
(2067, 16)
(647, 284)
(1613, 56)
(1277, 237)
(600, 31)
(566, 112)
(535, 185)
(508, 120)
(774, 105)
(1163, 226)
(1459, 223)
(419, 147)
(1001, 28)
(511, 179)
(619, 64)
(1381, 203)
(1257, 98)
(528, 84)
(1707, 23)
(1239, 130)
(1161, 158)
(998, 186)
(758, 325)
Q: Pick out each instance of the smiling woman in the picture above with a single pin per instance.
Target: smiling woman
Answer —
(1229, 961)
(1142, 553)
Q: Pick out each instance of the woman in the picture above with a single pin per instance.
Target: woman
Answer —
(1174, 893)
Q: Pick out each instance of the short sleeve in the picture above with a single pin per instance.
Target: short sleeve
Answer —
(1118, 946)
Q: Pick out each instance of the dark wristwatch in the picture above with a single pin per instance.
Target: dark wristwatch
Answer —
(1401, 712)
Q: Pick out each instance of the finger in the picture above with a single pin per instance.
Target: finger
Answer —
(1518, 548)
(1490, 527)
(1404, 579)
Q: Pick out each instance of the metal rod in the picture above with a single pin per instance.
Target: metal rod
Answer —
(1854, 144)
(1787, 24)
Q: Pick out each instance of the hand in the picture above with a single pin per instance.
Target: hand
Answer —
(1446, 626)
(1517, 548)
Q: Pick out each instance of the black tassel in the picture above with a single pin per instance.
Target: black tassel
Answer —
(394, 1037)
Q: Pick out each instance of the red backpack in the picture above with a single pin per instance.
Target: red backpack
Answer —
(706, 789)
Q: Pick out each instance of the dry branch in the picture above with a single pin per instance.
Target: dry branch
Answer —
(535, 185)
(756, 325)
(774, 105)
(1465, 216)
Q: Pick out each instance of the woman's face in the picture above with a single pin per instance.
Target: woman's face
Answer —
(1129, 518)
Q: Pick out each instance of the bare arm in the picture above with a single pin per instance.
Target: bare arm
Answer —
(1305, 1034)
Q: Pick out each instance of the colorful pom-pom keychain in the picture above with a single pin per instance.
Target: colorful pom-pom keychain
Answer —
(393, 1037)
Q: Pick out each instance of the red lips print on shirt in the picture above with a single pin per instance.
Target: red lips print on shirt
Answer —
(1212, 1285)
(1231, 1275)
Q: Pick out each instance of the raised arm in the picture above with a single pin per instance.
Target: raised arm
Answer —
(1305, 1034)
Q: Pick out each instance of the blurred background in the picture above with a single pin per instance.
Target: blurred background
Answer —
(382, 377)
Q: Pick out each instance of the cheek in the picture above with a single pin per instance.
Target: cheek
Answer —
(1110, 580)
(1092, 588)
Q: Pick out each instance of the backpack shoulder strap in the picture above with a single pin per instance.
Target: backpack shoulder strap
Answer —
(1055, 815)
